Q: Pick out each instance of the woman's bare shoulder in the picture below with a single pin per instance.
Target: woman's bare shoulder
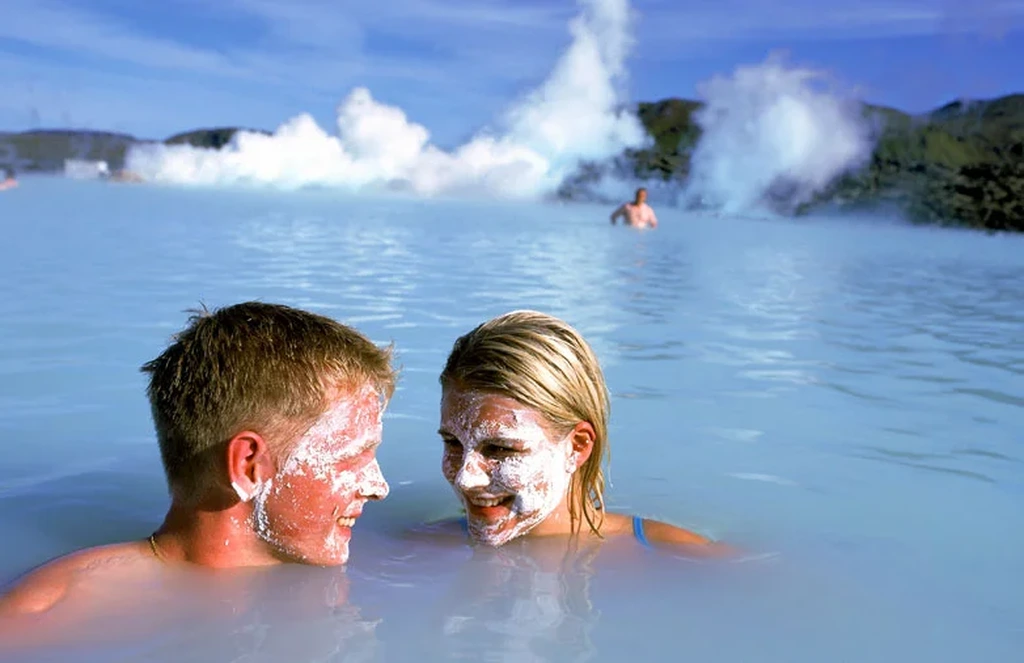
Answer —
(664, 535)
(684, 540)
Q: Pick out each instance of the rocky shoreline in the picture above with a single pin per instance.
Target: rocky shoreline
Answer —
(962, 164)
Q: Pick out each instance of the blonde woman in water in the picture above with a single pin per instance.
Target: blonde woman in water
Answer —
(524, 422)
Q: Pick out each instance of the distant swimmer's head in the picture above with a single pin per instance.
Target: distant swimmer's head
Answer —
(641, 196)
(524, 422)
(280, 409)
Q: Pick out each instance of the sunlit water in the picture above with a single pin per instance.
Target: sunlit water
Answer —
(843, 400)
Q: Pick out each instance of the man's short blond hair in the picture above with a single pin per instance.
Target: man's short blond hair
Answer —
(267, 368)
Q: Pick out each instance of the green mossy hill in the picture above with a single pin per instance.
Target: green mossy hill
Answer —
(671, 124)
(961, 164)
(674, 133)
(209, 138)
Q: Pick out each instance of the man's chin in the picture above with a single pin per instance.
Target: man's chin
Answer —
(335, 556)
(331, 554)
(325, 560)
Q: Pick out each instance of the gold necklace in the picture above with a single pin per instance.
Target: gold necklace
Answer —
(152, 546)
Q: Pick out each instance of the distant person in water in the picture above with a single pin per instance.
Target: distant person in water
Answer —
(268, 420)
(9, 181)
(638, 213)
(124, 175)
(524, 427)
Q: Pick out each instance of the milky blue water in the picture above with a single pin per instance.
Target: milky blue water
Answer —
(844, 400)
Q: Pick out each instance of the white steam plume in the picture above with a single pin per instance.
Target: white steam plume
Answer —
(771, 139)
(577, 113)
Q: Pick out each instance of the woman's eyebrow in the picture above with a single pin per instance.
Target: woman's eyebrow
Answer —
(506, 441)
(510, 442)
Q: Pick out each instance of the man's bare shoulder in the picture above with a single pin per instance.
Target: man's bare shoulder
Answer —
(45, 586)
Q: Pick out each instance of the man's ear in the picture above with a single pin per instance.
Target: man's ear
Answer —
(249, 463)
(582, 438)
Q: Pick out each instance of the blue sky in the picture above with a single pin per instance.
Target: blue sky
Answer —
(154, 67)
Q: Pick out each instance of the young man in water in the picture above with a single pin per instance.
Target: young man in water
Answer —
(638, 213)
(268, 420)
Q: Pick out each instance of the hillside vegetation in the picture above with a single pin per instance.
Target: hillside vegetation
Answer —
(960, 164)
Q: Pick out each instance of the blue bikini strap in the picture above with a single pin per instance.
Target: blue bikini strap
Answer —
(638, 531)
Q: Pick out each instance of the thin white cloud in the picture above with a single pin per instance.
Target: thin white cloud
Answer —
(98, 71)
(481, 14)
(64, 28)
(716, 20)
(316, 43)
(469, 55)
(306, 23)
(457, 38)
(42, 94)
(308, 41)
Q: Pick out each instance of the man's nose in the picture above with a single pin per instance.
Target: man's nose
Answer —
(373, 486)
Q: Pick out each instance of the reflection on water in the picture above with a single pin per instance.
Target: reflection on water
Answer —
(519, 605)
(524, 602)
(281, 614)
(849, 395)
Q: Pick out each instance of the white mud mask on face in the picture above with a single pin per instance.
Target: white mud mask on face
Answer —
(336, 485)
(324, 448)
(507, 470)
(242, 495)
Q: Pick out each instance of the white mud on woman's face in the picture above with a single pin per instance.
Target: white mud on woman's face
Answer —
(508, 470)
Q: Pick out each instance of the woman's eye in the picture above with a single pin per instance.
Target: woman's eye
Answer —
(495, 450)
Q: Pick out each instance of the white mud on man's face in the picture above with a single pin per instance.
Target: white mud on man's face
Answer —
(307, 509)
(508, 470)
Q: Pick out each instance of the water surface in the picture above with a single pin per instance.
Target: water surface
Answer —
(843, 399)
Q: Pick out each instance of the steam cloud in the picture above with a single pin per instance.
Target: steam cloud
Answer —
(576, 114)
(771, 139)
(772, 136)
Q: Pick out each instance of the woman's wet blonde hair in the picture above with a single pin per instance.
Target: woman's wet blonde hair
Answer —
(545, 364)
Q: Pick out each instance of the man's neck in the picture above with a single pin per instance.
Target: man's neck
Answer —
(216, 538)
